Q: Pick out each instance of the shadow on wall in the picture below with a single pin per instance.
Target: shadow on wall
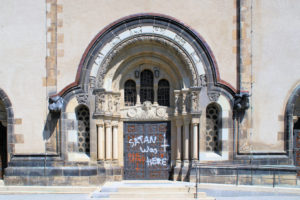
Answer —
(51, 124)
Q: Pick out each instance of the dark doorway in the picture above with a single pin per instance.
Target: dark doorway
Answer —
(3, 149)
(147, 150)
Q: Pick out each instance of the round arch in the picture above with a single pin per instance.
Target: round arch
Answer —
(289, 121)
(103, 47)
(9, 149)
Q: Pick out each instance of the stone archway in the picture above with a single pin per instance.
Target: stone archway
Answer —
(6, 131)
(292, 127)
(172, 52)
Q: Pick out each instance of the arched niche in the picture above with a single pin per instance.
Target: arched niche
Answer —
(292, 116)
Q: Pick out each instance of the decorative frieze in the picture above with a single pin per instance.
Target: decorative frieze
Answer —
(146, 111)
(107, 103)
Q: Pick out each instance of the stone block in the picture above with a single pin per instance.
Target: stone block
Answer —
(58, 180)
(97, 180)
(71, 171)
(78, 180)
(244, 180)
(88, 171)
(13, 180)
(54, 171)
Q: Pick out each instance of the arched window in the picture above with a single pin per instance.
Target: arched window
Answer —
(163, 93)
(129, 93)
(213, 127)
(147, 92)
(83, 119)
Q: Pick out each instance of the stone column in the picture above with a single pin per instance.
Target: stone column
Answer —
(100, 142)
(184, 101)
(195, 141)
(176, 101)
(155, 94)
(186, 128)
(179, 136)
(115, 141)
(138, 98)
(108, 141)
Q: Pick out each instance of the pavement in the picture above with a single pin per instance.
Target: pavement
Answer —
(220, 192)
(232, 192)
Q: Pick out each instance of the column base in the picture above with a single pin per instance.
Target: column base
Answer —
(177, 171)
(185, 171)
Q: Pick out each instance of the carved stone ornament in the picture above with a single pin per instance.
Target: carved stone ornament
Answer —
(214, 96)
(82, 99)
(203, 80)
(176, 102)
(55, 104)
(153, 39)
(100, 103)
(107, 103)
(92, 82)
(146, 111)
(194, 102)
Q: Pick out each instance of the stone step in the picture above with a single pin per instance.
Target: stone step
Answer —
(45, 189)
(200, 198)
(144, 195)
(157, 189)
(148, 190)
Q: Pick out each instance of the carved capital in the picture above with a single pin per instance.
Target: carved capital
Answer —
(107, 123)
(213, 96)
(115, 123)
(179, 122)
(82, 99)
(186, 121)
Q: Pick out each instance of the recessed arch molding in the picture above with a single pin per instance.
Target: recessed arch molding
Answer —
(160, 27)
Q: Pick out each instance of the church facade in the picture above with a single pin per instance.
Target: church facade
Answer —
(98, 91)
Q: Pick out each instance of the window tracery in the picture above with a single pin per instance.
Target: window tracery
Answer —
(213, 127)
(130, 93)
(147, 92)
(163, 93)
(83, 119)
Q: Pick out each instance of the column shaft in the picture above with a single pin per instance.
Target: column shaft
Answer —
(178, 155)
(195, 142)
(115, 142)
(108, 142)
(100, 143)
(186, 141)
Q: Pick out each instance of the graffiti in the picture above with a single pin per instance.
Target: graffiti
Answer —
(142, 140)
(156, 161)
(147, 150)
